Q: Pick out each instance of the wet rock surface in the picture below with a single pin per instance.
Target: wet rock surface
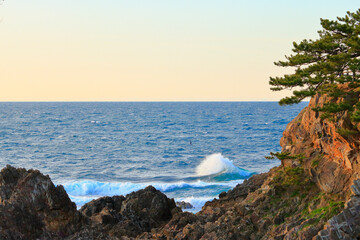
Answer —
(184, 205)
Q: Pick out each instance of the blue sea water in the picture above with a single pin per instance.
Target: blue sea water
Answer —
(191, 151)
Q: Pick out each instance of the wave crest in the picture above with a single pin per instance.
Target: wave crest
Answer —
(217, 164)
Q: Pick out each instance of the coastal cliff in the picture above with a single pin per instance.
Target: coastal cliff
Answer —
(330, 147)
(313, 194)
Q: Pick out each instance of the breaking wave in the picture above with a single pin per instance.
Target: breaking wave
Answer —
(220, 168)
(213, 175)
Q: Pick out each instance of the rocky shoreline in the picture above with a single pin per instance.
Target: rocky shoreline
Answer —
(313, 194)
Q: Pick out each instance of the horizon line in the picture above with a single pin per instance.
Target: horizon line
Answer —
(140, 101)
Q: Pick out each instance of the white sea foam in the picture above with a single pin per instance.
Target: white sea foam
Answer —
(196, 202)
(82, 192)
(81, 200)
(217, 164)
(94, 188)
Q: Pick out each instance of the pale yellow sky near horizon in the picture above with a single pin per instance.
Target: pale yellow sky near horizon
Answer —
(151, 50)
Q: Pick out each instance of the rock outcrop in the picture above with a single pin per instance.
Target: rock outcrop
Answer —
(132, 215)
(218, 219)
(345, 225)
(330, 148)
(31, 207)
(184, 205)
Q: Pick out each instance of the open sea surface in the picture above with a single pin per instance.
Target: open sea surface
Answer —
(191, 151)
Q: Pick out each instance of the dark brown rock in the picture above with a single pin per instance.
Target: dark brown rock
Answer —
(32, 207)
(132, 215)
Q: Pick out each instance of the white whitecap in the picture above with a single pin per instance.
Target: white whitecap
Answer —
(217, 163)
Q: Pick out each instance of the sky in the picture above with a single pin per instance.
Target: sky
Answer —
(152, 50)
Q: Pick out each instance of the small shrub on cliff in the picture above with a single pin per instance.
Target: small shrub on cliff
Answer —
(280, 156)
(290, 177)
(315, 163)
(328, 211)
(286, 156)
(346, 132)
(294, 176)
(355, 116)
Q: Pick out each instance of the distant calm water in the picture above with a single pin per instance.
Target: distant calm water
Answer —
(190, 151)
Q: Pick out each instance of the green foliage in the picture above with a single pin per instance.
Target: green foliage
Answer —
(319, 196)
(328, 116)
(327, 211)
(302, 196)
(329, 208)
(284, 155)
(291, 176)
(316, 160)
(295, 193)
(321, 64)
(315, 163)
(346, 132)
(329, 109)
(334, 108)
(355, 116)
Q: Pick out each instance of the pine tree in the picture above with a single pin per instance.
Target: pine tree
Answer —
(320, 65)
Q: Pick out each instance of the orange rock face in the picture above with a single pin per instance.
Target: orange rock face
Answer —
(331, 158)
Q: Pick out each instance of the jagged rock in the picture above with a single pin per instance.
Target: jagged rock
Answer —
(104, 210)
(132, 215)
(32, 207)
(184, 205)
(345, 225)
(355, 188)
(249, 185)
(218, 219)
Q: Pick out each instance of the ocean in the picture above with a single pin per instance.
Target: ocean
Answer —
(191, 151)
